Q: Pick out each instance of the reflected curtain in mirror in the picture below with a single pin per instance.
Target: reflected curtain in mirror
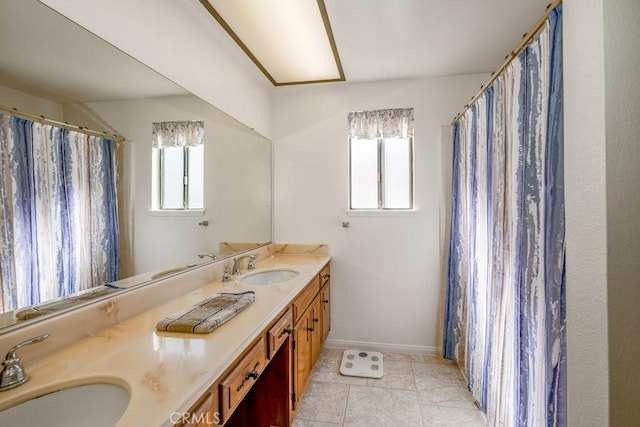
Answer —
(59, 224)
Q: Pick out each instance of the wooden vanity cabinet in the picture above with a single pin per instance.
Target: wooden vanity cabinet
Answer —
(325, 301)
(266, 382)
(305, 298)
(203, 413)
(309, 331)
(316, 329)
(279, 332)
(239, 381)
(267, 402)
(302, 355)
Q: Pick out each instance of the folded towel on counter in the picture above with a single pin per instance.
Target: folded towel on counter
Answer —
(207, 315)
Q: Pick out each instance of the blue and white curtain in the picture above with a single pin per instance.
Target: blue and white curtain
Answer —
(505, 302)
(59, 221)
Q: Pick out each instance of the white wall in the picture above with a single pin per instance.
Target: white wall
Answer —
(622, 113)
(586, 226)
(30, 104)
(385, 271)
(237, 180)
(602, 106)
(181, 41)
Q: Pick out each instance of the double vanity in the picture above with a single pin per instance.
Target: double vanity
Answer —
(252, 370)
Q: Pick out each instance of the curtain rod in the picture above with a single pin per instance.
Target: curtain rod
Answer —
(44, 120)
(526, 38)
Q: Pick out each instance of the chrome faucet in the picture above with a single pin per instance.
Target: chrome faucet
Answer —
(237, 261)
(12, 373)
(212, 256)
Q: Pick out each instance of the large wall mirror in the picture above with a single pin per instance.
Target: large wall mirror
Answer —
(50, 66)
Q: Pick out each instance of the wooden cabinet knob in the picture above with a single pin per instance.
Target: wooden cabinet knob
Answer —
(286, 330)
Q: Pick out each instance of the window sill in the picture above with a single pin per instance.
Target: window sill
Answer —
(178, 212)
(382, 213)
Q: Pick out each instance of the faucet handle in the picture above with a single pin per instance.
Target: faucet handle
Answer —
(252, 259)
(11, 354)
(226, 277)
(13, 374)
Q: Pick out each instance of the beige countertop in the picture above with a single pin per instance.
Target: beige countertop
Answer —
(165, 372)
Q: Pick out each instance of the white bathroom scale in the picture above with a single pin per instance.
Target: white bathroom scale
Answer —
(357, 363)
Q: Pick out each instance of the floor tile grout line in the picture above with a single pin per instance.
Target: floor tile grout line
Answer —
(346, 404)
(415, 383)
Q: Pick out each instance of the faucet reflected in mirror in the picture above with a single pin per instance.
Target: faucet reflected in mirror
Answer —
(212, 256)
(152, 244)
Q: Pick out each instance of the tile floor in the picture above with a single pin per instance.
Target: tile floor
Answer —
(415, 390)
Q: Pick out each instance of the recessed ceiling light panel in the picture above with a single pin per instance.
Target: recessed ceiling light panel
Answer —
(289, 40)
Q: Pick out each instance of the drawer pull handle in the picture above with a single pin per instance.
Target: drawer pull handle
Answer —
(325, 277)
(251, 374)
(286, 330)
(316, 320)
(311, 329)
(326, 301)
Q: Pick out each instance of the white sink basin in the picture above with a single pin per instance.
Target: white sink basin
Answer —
(86, 405)
(269, 277)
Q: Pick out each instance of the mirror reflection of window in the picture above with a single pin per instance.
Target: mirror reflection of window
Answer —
(178, 156)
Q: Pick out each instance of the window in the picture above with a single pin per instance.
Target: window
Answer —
(381, 160)
(178, 159)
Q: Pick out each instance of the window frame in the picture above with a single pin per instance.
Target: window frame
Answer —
(380, 141)
(185, 181)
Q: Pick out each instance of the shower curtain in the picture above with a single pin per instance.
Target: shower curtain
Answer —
(505, 301)
(59, 221)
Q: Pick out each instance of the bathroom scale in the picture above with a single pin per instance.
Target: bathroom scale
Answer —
(358, 363)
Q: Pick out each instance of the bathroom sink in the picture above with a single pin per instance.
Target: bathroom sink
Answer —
(269, 277)
(93, 405)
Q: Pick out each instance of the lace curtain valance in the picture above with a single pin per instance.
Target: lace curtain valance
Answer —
(178, 134)
(391, 123)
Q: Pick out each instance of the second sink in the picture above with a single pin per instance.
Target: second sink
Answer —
(93, 405)
(269, 277)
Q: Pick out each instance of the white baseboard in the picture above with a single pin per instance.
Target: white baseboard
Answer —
(383, 347)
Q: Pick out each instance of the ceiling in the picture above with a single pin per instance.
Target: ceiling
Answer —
(376, 40)
(69, 64)
(397, 39)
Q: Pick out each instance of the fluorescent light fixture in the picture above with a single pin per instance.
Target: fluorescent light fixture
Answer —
(289, 40)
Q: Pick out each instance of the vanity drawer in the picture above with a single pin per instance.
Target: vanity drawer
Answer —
(325, 275)
(305, 298)
(279, 332)
(240, 380)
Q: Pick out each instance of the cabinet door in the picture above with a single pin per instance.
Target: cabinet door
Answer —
(316, 330)
(302, 355)
(325, 301)
(201, 414)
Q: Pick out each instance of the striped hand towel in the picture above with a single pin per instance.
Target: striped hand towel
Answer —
(208, 314)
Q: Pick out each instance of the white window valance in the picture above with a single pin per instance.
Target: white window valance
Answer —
(187, 133)
(391, 123)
